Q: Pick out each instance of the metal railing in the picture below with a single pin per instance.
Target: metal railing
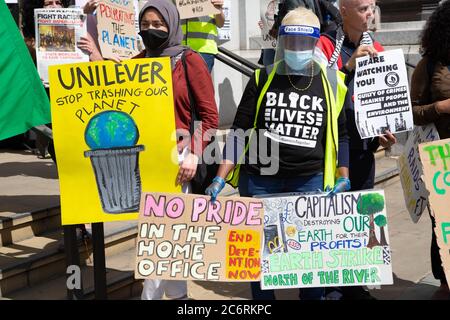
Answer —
(234, 65)
(410, 65)
(238, 58)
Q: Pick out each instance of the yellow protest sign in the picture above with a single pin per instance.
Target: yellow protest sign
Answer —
(114, 134)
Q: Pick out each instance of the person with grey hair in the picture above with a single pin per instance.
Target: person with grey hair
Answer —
(339, 49)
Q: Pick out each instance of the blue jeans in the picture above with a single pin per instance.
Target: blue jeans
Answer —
(252, 185)
(209, 60)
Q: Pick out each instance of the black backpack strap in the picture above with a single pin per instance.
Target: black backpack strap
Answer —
(192, 104)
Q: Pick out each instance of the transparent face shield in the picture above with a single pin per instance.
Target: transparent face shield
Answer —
(295, 50)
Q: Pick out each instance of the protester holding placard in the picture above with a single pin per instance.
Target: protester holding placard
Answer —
(287, 107)
(200, 34)
(43, 144)
(162, 35)
(430, 96)
(28, 24)
(89, 43)
(326, 12)
(340, 48)
(268, 44)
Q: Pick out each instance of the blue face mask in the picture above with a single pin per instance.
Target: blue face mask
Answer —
(298, 60)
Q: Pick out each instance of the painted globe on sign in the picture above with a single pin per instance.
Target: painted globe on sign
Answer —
(111, 129)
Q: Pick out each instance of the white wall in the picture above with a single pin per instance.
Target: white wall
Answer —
(229, 83)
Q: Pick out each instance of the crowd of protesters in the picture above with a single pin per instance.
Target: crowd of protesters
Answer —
(300, 64)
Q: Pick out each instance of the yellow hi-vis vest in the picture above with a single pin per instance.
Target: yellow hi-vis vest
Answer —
(335, 90)
(200, 34)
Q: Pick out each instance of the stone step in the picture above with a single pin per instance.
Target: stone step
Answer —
(398, 37)
(415, 25)
(38, 259)
(29, 196)
(411, 52)
(15, 227)
(252, 55)
(119, 277)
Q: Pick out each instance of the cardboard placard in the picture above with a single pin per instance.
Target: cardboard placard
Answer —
(187, 237)
(436, 168)
(410, 167)
(117, 29)
(319, 241)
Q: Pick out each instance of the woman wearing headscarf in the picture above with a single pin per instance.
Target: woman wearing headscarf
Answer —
(160, 29)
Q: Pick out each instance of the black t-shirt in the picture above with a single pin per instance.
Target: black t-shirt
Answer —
(293, 119)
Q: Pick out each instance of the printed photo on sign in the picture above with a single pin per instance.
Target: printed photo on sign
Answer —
(319, 241)
(411, 172)
(113, 127)
(436, 168)
(382, 100)
(187, 237)
(57, 32)
(56, 38)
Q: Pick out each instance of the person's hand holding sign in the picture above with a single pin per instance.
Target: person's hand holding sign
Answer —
(90, 6)
(87, 45)
(220, 17)
(443, 106)
(361, 51)
(188, 168)
(217, 3)
(387, 139)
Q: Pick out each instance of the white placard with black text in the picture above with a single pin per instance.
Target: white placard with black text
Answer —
(382, 100)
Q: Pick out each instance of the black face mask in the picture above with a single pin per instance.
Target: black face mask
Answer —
(153, 38)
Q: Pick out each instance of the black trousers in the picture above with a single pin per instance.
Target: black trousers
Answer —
(362, 169)
(436, 262)
(362, 176)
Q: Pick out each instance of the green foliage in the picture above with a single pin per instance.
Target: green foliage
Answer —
(380, 220)
(370, 203)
